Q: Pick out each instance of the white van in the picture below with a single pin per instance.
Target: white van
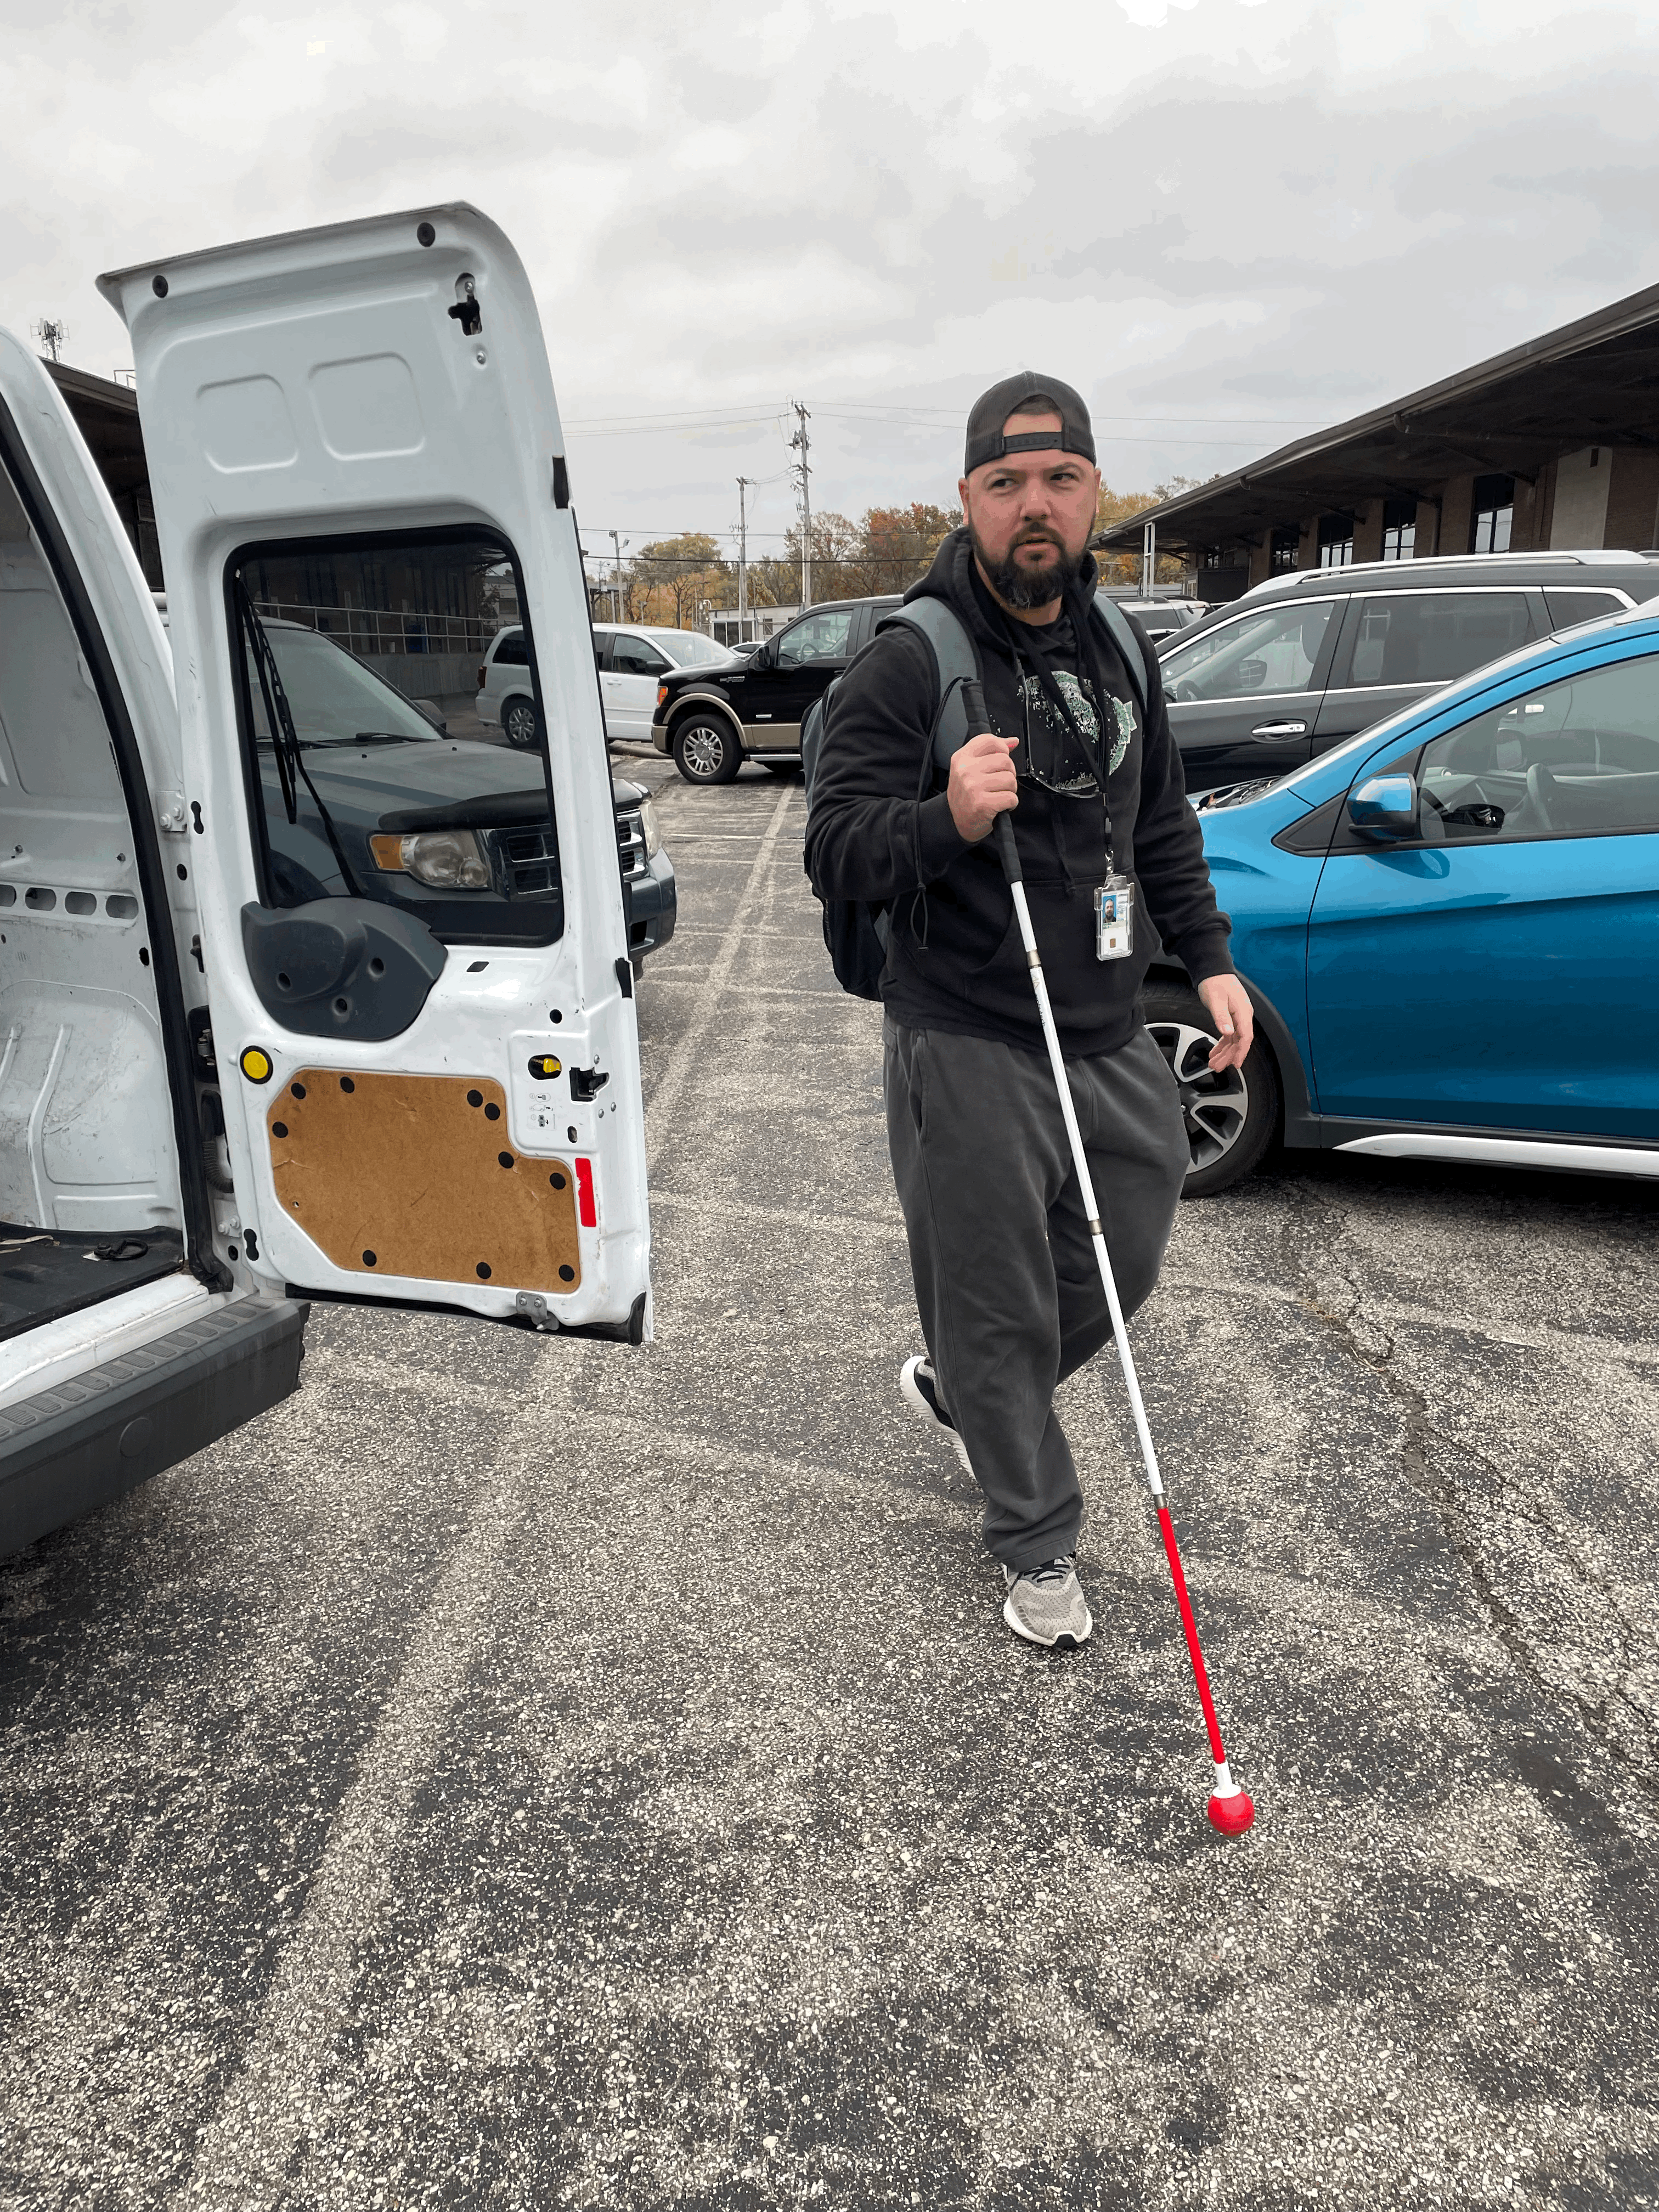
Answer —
(257, 1048)
(631, 661)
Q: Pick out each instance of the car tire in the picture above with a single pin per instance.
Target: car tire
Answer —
(521, 723)
(1231, 1119)
(706, 750)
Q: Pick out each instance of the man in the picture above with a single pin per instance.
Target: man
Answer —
(1007, 1288)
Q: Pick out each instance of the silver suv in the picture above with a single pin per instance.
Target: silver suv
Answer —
(1258, 688)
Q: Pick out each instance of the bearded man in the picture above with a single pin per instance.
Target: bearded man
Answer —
(1008, 1293)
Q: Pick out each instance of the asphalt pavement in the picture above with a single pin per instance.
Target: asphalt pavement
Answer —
(529, 1773)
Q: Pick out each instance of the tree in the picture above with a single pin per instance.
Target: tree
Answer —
(671, 580)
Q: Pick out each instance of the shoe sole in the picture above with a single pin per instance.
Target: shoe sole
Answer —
(1064, 1642)
(912, 1394)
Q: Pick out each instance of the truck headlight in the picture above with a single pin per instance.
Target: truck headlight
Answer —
(445, 859)
(650, 830)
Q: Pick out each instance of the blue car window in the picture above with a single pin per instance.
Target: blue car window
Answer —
(1576, 758)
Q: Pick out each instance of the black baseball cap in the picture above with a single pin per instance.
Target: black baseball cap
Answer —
(1026, 394)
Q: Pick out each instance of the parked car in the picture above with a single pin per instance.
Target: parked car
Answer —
(1304, 661)
(1160, 618)
(712, 720)
(286, 1011)
(631, 660)
(371, 752)
(1449, 925)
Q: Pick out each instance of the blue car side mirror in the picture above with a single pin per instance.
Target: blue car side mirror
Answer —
(1385, 805)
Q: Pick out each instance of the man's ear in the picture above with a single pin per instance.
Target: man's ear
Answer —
(962, 496)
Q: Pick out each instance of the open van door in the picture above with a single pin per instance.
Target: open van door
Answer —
(415, 949)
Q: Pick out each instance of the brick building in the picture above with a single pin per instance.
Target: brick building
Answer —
(1554, 445)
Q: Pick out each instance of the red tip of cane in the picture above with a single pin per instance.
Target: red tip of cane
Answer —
(1231, 1814)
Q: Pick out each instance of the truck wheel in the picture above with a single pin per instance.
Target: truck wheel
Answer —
(706, 750)
(1231, 1118)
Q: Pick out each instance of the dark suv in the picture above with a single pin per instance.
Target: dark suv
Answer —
(712, 719)
(1260, 687)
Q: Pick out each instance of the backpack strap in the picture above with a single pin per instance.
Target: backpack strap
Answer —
(954, 663)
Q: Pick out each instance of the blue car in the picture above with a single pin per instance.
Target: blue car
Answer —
(1450, 926)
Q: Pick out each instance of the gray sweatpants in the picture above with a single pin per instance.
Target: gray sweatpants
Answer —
(1007, 1285)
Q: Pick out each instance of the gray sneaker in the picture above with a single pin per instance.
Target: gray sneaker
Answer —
(920, 1392)
(1045, 1605)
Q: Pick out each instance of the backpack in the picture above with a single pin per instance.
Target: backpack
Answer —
(855, 931)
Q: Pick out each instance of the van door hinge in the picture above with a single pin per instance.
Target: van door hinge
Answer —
(534, 1308)
(171, 815)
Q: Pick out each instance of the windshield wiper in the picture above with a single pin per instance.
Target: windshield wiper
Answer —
(285, 744)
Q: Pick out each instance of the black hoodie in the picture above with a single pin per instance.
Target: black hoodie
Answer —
(954, 959)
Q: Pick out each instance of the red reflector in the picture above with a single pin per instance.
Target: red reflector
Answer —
(587, 1213)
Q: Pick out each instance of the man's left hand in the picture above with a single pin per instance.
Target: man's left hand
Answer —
(1228, 1004)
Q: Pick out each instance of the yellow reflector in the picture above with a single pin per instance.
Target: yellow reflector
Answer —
(388, 851)
(256, 1065)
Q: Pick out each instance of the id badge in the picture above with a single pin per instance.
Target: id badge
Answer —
(1115, 918)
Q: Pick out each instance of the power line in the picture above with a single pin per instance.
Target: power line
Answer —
(738, 418)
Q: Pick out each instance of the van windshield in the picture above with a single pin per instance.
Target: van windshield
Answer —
(334, 699)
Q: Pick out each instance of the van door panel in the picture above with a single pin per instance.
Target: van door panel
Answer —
(315, 396)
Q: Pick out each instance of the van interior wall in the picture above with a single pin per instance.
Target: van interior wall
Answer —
(87, 1150)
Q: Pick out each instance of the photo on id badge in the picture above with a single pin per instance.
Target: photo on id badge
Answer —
(1115, 918)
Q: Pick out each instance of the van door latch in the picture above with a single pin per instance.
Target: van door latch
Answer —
(466, 311)
(587, 1083)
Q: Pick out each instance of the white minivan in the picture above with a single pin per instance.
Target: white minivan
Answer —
(631, 661)
(266, 1035)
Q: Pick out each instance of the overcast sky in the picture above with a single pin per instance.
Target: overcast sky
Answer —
(1225, 221)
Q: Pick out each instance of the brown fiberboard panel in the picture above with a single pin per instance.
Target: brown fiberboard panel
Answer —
(413, 1174)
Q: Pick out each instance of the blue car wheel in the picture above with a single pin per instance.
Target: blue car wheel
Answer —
(1232, 1117)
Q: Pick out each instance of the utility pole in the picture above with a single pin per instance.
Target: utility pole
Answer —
(616, 576)
(51, 336)
(801, 444)
(744, 484)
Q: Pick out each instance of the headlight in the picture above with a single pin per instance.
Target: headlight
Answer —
(650, 829)
(446, 859)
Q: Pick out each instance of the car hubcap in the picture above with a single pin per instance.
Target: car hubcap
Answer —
(1214, 1107)
(521, 725)
(703, 750)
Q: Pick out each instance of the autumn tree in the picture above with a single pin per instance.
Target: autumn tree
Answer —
(672, 580)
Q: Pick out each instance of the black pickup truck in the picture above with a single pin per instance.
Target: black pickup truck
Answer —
(752, 706)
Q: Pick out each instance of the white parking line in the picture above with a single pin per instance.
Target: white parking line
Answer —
(665, 1097)
(243, 2153)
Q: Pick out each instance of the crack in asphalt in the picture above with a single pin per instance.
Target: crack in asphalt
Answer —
(1621, 1718)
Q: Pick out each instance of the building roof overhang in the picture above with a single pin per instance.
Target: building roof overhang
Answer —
(106, 415)
(1592, 382)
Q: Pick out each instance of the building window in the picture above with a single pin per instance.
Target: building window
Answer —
(1399, 529)
(1214, 556)
(1286, 544)
(1494, 511)
(1335, 541)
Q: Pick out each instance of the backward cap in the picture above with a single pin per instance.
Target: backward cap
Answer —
(1020, 395)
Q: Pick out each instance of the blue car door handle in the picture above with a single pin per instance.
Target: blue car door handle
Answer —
(1279, 730)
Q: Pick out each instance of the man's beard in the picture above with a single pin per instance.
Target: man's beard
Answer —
(1023, 588)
